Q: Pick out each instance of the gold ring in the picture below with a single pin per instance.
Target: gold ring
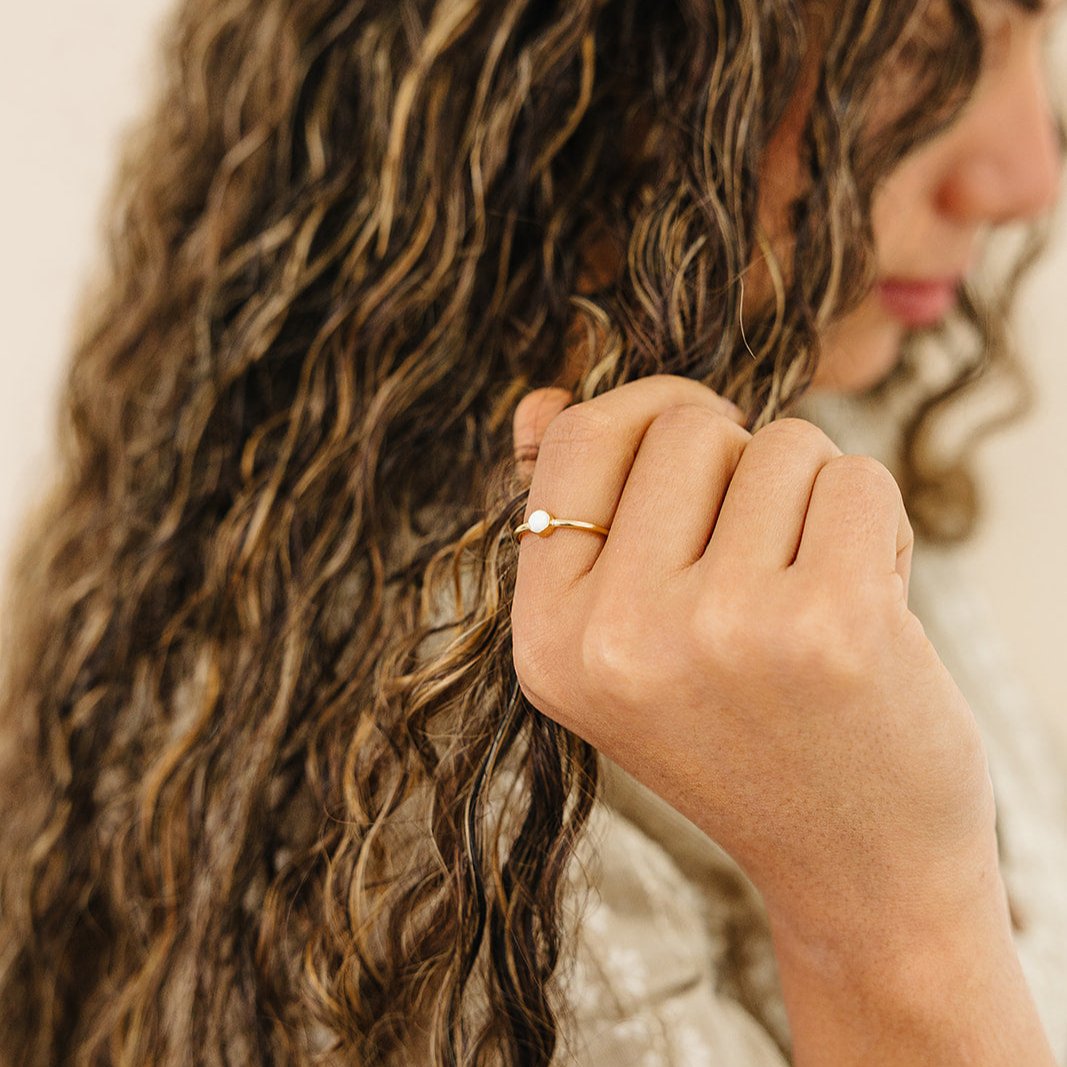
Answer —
(543, 524)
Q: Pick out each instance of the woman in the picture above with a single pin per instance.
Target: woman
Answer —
(280, 787)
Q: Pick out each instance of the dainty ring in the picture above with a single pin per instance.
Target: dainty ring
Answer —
(543, 524)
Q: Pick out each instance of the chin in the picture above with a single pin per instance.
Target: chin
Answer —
(859, 352)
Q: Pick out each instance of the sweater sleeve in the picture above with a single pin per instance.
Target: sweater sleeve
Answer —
(648, 984)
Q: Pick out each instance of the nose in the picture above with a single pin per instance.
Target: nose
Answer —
(1009, 158)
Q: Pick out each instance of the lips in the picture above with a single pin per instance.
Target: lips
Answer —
(919, 302)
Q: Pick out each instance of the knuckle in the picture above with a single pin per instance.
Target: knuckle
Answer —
(607, 659)
(696, 420)
(578, 427)
(820, 641)
(823, 641)
(862, 466)
(841, 631)
(678, 385)
(696, 428)
(863, 474)
(725, 634)
(810, 637)
(795, 433)
(686, 413)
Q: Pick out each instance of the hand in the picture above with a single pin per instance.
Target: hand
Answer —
(741, 643)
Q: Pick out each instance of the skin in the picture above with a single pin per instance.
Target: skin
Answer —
(801, 717)
(998, 164)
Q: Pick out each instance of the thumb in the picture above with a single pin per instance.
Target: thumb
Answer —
(532, 415)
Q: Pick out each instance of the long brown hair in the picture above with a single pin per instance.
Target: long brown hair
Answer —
(271, 792)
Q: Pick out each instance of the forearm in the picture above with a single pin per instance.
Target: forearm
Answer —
(954, 996)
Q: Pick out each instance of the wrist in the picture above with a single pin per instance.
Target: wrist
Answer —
(894, 911)
(942, 988)
(893, 952)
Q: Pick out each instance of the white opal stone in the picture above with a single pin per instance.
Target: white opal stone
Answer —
(539, 521)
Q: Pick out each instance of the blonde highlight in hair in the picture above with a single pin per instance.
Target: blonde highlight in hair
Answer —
(275, 794)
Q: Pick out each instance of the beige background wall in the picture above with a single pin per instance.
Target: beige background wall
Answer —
(73, 74)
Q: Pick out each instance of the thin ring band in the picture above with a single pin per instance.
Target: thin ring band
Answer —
(543, 524)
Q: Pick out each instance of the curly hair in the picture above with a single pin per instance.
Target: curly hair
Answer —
(273, 795)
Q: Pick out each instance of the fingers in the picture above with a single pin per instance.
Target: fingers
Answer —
(532, 415)
(762, 516)
(584, 459)
(658, 462)
(672, 497)
(856, 524)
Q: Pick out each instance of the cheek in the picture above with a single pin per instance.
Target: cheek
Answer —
(902, 212)
(861, 349)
